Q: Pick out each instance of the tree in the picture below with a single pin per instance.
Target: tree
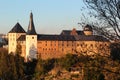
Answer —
(19, 64)
(107, 11)
(43, 67)
(68, 61)
(19, 49)
(115, 51)
(93, 68)
(12, 67)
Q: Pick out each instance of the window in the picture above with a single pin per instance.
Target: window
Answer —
(85, 45)
(72, 42)
(67, 45)
(81, 45)
(72, 49)
(62, 49)
(91, 45)
(32, 37)
(96, 45)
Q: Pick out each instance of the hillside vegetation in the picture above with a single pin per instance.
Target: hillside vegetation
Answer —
(69, 67)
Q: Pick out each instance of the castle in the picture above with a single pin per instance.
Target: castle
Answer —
(74, 41)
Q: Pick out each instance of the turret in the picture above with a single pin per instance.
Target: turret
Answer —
(88, 30)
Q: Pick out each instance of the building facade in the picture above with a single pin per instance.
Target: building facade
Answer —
(74, 41)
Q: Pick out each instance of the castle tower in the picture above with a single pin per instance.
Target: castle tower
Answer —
(13, 35)
(31, 40)
(88, 30)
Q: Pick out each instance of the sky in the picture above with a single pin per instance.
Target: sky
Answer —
(50, 16)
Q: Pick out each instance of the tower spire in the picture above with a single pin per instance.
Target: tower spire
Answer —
(31, 28)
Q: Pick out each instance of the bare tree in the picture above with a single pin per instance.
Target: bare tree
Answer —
(107, 11)
(99, 28)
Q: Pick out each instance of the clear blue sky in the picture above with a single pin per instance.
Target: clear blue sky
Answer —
(50, 16)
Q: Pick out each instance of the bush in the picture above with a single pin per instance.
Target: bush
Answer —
(68, 61)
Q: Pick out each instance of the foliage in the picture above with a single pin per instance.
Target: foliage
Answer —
(19, 49)
(30, 67)
(101, 68)
(93, 68)
(115, 51)
(43, 67)
(67, 61)
(11, 66)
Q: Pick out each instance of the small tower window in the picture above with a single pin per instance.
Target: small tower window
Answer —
(32, 37)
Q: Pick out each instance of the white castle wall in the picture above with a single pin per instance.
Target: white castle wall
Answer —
(12, 41)
(31, 46)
